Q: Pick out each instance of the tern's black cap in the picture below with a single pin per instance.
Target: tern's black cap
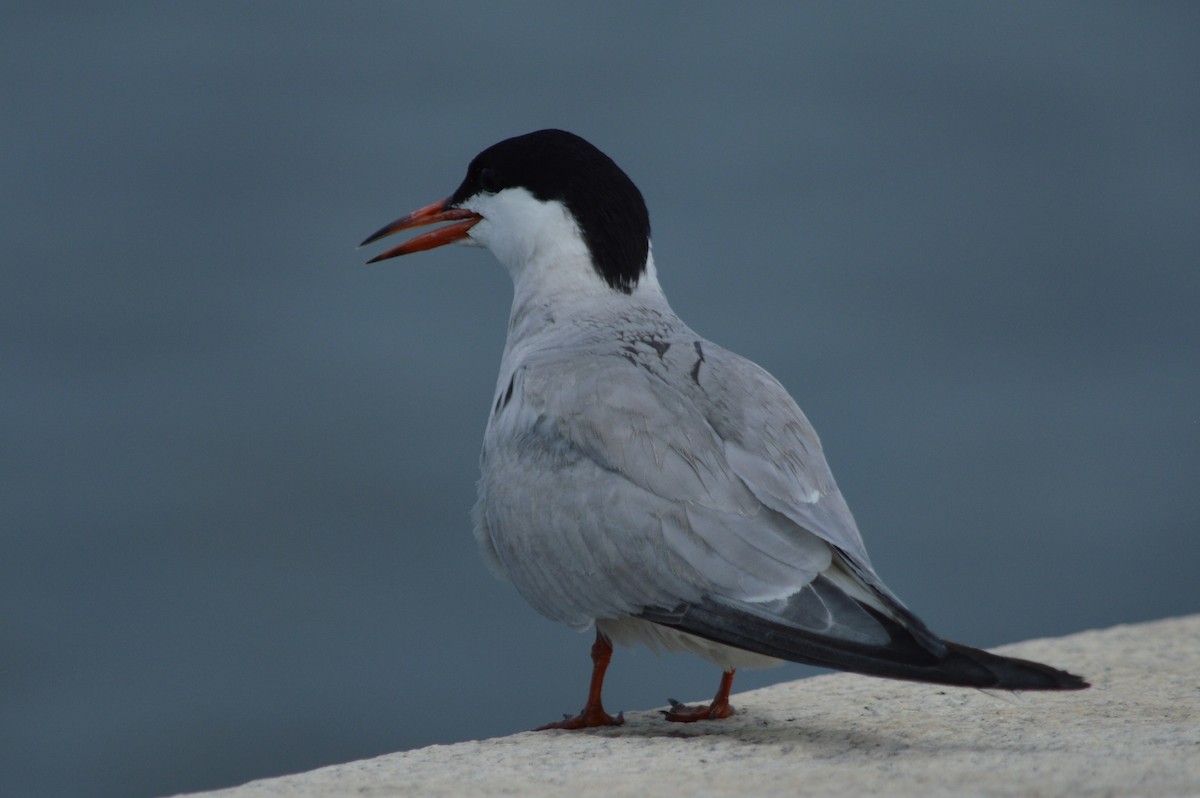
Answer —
(557, 165)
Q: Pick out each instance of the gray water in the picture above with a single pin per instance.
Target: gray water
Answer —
(236, 463)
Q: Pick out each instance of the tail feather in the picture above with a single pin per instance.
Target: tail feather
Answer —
(902, 657)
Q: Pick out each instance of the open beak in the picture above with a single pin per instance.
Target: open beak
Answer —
(430, 214)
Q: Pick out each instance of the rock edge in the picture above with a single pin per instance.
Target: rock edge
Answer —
(1135, 732)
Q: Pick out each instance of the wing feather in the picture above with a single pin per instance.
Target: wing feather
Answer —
(646, 509)
(646, 480)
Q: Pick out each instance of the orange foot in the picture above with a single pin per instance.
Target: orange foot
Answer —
(681, 713)
(588, 718)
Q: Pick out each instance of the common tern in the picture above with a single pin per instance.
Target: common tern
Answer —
(640, 479)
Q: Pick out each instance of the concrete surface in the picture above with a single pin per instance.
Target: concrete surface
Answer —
(1136, 732)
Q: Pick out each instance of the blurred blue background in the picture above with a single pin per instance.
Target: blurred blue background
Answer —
(236, 464)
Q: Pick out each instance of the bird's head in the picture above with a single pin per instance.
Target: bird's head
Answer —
(543, 202)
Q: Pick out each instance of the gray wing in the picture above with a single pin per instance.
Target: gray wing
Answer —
(771, 446)
(661, 478)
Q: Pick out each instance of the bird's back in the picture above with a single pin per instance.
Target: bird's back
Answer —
(630, 463)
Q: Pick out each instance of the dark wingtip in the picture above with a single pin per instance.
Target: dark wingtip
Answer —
(903, 657)
(1010, 673)
(1068, 681)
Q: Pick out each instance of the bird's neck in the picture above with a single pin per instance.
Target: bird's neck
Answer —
(554, 301)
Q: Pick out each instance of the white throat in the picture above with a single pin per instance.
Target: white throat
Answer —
(541, 245)
(557, 292)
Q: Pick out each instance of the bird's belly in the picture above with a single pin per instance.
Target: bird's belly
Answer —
(628, 631)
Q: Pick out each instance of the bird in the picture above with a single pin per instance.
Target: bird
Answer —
(642, 481)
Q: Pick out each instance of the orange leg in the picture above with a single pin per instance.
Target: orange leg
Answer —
(593, 713)
(718, 709)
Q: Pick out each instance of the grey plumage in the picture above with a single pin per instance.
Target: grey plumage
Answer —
(640, 478)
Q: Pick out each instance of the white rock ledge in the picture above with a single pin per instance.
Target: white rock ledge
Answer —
(1136, 732)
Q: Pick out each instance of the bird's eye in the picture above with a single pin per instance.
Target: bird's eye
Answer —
(489, 181)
